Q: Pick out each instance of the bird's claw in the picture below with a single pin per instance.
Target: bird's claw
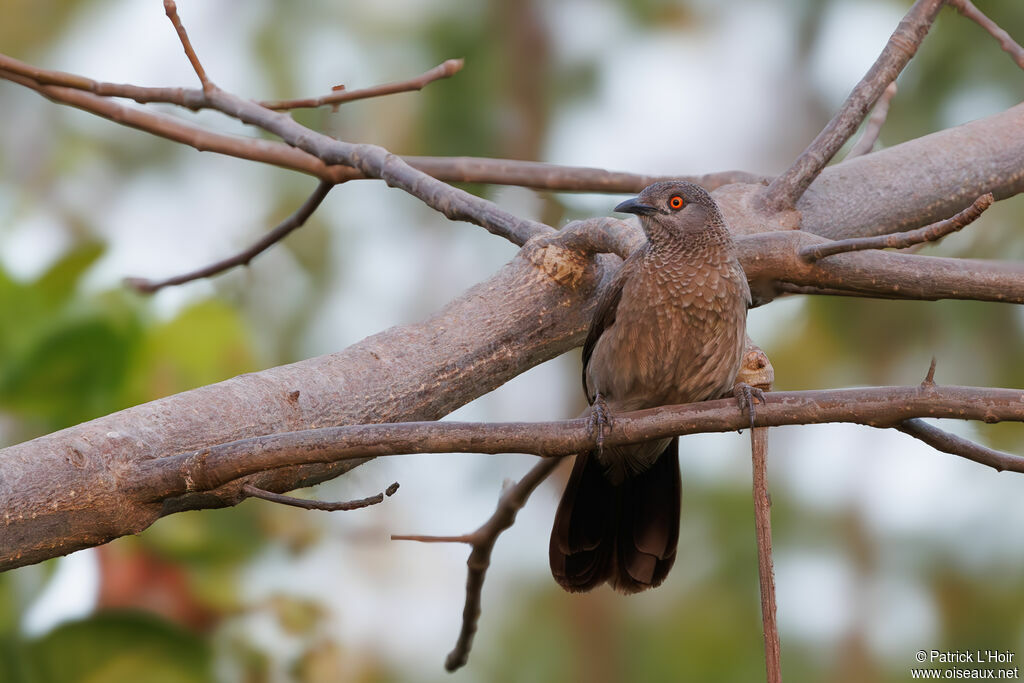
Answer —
(599, 420)
(747, 396)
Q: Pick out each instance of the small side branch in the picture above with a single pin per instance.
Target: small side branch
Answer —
(869, 137)
(942, 440)
(172, 13)
(340, 95)
(785, 190)
(250, 490)
(482, 541)
(1009, 45)
(293, 222)
(901, 240)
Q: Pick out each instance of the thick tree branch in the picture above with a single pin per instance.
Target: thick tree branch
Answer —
(446, 69)
(785, 190)
(918, 182)
(61, 492)
(242, 258)
(901, 240)
(773, 266)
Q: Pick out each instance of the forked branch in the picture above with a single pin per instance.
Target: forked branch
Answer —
(785, 190)
(482, 543)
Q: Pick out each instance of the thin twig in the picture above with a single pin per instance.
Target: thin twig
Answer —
(94, 97)
(255, 492)
(765, 566)
(543, 176)
(869, 137)
(785, 190)
(901, 240)
(942, 440)
(482, 541)
(1009, 45)
(444, 70)
(210, 468)
(172, 13)
(60, 87)
(296, 220)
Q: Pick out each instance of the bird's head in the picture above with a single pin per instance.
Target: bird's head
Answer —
(673, 209)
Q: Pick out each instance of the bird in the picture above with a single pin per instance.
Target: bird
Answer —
(669, 328)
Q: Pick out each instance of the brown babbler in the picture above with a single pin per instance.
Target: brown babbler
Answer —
(669, 328)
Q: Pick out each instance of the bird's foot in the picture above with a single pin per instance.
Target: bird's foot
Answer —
(599, 420)
(747, 396)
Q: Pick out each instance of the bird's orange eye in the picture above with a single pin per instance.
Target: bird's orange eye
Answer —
(676, 202)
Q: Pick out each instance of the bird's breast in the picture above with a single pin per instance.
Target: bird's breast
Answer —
(678, 336)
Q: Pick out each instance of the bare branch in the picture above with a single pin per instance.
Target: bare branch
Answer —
(172, 13)
(771, 260)
(901, 240)
(369, 160)
(765, 566)
(63, 490)
(378, 162)
(296, 220)
(857, 199)
(785, 190)
(210, 468)
(757, 372)
(1009, 45)
(255, 492)
(340, 95)
(869, 137)
(541, 176)
(482, 541)
(943, 441)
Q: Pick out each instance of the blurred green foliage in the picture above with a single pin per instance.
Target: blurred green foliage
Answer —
(114, 647)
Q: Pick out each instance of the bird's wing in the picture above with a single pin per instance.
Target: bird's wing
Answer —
(604, 316)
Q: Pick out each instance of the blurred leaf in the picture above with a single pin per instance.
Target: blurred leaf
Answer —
(206, 343)
(118, 647)
(58, 284)
(72, 371)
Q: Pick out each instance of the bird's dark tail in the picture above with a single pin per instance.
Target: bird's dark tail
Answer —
(625, 534)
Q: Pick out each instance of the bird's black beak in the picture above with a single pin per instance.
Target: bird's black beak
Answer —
(634, 205)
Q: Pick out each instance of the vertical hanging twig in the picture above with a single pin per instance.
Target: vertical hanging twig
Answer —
(765, 566)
